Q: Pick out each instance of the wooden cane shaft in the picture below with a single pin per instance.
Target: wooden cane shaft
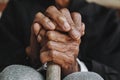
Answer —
(53, 72)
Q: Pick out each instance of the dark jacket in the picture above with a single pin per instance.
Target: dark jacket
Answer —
(100, 44)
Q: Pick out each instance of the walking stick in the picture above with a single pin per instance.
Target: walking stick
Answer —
(53, 72)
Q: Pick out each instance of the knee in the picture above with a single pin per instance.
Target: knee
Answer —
(83, 76)
(19, 72)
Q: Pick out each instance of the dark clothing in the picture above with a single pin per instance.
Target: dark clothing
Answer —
(101, 42)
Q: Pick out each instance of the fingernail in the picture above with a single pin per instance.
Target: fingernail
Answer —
(51, 25)
(75, 34)
(36, 28)
(66, 26)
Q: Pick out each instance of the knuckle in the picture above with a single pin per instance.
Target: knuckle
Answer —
(49, 34)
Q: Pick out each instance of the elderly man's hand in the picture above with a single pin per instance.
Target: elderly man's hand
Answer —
(56, 20)
(60, 48)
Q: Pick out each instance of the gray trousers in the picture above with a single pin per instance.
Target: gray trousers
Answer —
(19, 72)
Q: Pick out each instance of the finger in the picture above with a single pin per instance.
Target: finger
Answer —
(56, 15)
(78, 22)
(36, 28)
(58, 37)
(76, 18)
(57, 46)
(44, 21)
(64, 47)
(73, 32)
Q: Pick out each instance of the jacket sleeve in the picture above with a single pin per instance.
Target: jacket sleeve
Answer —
(12, 46)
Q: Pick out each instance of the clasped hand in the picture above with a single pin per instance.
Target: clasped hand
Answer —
(56, 36)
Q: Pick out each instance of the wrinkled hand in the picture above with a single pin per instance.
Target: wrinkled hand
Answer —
(55, 20)
(61, 48)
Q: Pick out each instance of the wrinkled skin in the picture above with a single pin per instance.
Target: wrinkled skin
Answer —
(56, 37)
